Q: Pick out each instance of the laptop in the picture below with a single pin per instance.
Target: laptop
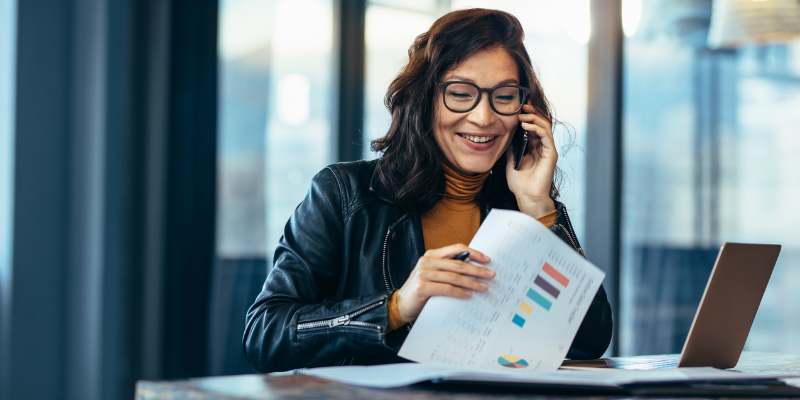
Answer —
(724, 316)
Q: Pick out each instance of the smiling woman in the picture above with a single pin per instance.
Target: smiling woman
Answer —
(374, 240)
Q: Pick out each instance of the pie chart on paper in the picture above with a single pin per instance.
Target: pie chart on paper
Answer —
(510, 361)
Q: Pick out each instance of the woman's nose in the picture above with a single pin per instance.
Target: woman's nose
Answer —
(482, 115)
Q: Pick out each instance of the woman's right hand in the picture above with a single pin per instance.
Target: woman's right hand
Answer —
(437, 274)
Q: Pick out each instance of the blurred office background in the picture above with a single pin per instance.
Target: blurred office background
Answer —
(151, 152)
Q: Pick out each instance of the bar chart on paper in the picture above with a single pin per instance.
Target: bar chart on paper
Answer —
(531, 312)
(543, 292)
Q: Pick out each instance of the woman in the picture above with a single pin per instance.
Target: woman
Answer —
(374, 240)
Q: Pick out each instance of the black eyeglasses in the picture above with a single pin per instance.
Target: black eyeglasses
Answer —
(464, 96)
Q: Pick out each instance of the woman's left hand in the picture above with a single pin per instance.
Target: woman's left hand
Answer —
(531, 183)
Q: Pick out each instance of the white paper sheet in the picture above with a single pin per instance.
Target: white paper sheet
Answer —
(379, 376)
(531, 312)
(396, 375)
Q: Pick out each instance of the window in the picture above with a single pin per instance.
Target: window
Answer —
(275, 116)
(390, 29)
(274, 135)
(7, 63)
(710, 138)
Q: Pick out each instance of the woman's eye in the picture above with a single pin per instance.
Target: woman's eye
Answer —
(460, 96)
(504, 99)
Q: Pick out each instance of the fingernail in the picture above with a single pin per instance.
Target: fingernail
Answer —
(489, 272)
(469, 294)
(484, 285)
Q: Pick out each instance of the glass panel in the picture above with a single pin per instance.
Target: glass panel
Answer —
(8, 28)
(274, 135)
(298, 142)
(390, 31)
(556, 33)
(274, 116)
(423, 6)
(709, 139)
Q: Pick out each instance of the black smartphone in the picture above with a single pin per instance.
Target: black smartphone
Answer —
(519, 146)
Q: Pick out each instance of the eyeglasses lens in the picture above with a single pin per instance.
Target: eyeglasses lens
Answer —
(460, 97)
(463, 97)
(506, 99)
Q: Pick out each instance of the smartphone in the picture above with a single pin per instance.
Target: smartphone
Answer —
(519, 146)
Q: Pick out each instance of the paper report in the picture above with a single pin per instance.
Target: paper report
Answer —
(530, 314)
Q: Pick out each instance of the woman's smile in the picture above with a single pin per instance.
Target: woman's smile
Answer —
(477, 138)
(478, 142)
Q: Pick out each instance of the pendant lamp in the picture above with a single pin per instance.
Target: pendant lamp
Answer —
(734, 22)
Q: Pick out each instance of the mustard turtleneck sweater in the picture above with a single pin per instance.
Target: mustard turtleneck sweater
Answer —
(457, 216)
(454, 219)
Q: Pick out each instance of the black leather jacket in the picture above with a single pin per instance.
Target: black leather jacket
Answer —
(343, 252)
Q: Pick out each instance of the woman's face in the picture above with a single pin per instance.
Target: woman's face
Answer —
(473, 141)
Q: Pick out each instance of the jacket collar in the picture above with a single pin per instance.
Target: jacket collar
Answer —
(376, 186)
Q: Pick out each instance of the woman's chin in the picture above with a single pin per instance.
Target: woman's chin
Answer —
(474, 167)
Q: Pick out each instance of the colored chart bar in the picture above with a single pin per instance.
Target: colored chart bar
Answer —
(539, 299)
(558, 276)
(518, 320)
(546, 286)
(526, 308)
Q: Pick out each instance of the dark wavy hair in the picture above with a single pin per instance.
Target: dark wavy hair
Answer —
(410, 167)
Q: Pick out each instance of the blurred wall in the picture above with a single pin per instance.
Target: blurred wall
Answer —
(111, 155)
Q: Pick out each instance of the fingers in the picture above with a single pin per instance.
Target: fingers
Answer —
(430, 289)
(448, 252)
(438, 266)
(537, 132)
(438, 274)
(539, 137)
(454, 279)
(532, 121)
(454, 266)
(530, 114)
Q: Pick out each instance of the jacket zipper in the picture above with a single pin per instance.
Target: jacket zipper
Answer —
(343, 320)
(571, 234)
(385, 264)
(386, 276)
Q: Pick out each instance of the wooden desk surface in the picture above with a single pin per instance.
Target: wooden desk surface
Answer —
(281, 386)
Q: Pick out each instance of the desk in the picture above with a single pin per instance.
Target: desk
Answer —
(283, 386)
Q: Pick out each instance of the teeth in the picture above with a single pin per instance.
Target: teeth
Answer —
(478, 139)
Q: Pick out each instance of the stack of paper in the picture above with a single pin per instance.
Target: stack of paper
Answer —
(396, 375)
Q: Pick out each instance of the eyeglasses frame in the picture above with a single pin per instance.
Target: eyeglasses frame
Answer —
(526, 92)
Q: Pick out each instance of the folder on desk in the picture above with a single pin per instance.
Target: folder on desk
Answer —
(680, 381)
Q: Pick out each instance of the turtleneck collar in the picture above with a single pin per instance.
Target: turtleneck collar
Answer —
(461, 190)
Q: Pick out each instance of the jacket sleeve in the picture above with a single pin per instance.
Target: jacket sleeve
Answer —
(594, 334)
(293, 323)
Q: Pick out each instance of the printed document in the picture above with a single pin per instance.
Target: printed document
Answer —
(396, 375)
(530, 314)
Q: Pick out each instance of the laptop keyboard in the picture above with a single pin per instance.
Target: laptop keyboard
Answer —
(644, 365)
(623, 363)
